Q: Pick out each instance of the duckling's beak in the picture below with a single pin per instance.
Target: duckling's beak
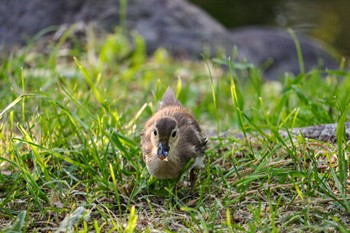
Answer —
(163, 151)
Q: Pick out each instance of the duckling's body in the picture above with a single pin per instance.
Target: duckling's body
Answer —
(171, 139)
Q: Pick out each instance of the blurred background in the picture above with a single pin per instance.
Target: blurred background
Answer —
(327, 20)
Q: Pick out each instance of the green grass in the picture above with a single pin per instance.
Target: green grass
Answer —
(70, 119)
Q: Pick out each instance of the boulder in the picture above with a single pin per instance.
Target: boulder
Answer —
(275, 50)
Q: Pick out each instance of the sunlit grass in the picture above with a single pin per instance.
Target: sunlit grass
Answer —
(70, 122)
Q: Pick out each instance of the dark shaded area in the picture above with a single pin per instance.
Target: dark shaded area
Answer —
(238, 13)
(326, 20)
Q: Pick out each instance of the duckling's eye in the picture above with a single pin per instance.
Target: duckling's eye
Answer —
(173, 134)
(155, 132)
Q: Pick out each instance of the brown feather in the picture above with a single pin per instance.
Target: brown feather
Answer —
(169, 99)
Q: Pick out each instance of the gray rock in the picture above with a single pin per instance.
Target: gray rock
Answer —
(180, 27)
(278, 47)
(176, 25)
